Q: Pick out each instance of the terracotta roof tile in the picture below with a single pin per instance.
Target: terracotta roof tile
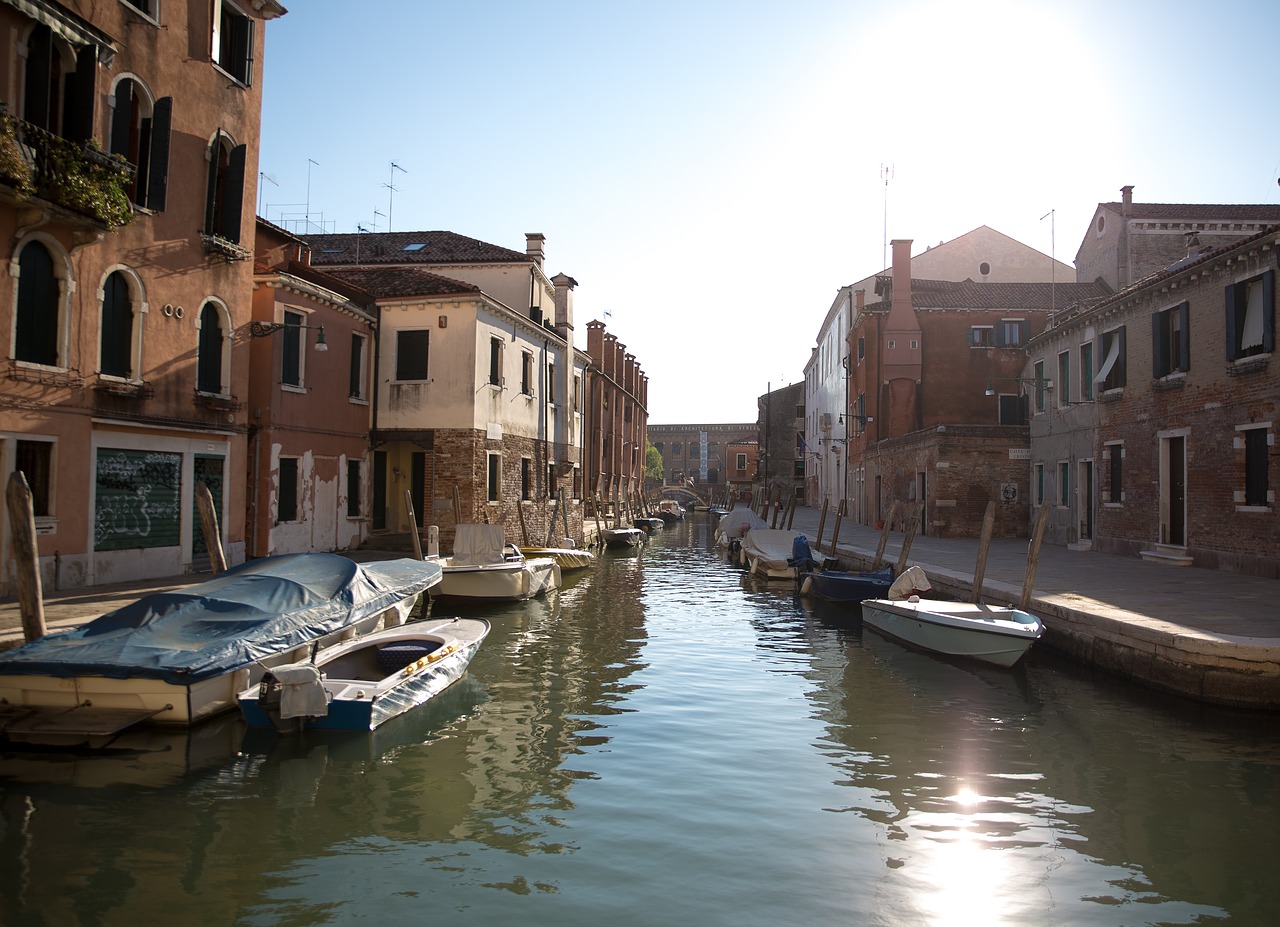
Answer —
(408, 248)
(400, 282)
(946, 294)
(1198, 212)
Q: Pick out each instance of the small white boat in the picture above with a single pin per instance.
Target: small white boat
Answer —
(182, 656)
(485, 568)
(622, 537)
(670, 510)
(569, 558)
(360, 684)
(991, 633)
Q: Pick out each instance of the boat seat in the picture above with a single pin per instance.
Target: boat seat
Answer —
(395, 657)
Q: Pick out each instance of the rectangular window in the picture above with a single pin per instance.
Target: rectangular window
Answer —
(35, 460)
(526, 373)
(411, 354)
(1171, 341)
(862, 348)
(1086, 372)
(495, 478)
(741, 463)
(359, 364)
(982, 336)
(495, 361)
(1038, 376)
(1111, 375)
(526, 478)
(1064, 379)
(551, 482)
(577, 393)
(291, 347)
(1064, 484)
(1251, 316)
(1011, 333)
(551, 384)
(353, 488)
(1256, 481)
(1115, 472)
(287, 501)
(1038, 477)
(232, 41)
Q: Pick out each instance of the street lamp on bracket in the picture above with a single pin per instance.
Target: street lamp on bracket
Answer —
(267, 329)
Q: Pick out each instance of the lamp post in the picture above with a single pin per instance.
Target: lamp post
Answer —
(266, 329)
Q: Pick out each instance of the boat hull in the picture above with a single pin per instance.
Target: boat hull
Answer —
(169, 703)
(362, 695)
(510, 581)
(992, 634)
(567, 558)
(623, 537)
(840, 586)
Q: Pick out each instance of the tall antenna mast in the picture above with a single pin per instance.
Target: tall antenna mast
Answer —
(263, 175)
(886, 174)
(1053, 264)
(391, 187)
(306, 220)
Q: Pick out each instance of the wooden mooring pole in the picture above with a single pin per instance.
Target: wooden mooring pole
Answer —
(884, 536)
(984, 546)
(913, 523)
(413, 524)
(22, 529)
(209, 525)
(822, 522)
(1033, 557)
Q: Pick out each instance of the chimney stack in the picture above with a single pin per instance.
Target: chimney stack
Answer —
(1126, 200)
(564, 285)
(535, 247)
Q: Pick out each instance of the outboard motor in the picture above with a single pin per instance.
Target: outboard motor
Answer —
(801, 555)
(269, 690)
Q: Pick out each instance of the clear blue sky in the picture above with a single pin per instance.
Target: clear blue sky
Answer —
(710, 172)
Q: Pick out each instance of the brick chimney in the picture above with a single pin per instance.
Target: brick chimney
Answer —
(1126, 200)
(535, 247)
(902, 349)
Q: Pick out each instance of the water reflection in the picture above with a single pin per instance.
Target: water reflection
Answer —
(667, 740)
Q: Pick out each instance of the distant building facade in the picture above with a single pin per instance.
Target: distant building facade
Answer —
(698, 456)
(780, 433)
(617, 402)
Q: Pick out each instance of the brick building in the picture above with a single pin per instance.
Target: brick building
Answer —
(936, 407)
(699, 456)
(780, 434)
(1174, 436)
(617, 416)
(130, 281)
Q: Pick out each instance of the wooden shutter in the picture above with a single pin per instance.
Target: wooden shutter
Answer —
(36, 102)
(233, 196)
(1268, 312)
(1159, 345)
(1230, 296)
(158, 164)
(78, 119)
(1184, 336)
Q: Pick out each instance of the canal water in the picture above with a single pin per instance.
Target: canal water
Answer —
(667, 742)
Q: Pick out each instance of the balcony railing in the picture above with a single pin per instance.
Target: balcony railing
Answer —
(75, 175)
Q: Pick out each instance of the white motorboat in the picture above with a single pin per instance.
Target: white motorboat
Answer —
(357, 685)
(179, 657)
(734, 525)
(991, 633)
(569, 558)
(485, 568)
(622, 537)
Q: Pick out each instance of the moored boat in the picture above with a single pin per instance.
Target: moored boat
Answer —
(485, 568)
(993, 634)
(182, 656)
(622, 537)
(358, 685)
(847, 585)
(568, 558)
(769, 552)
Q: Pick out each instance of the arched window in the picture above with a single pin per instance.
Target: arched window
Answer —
(225, 199)
(35, 334)
(209, 351)
(140, 134)
(116, 349)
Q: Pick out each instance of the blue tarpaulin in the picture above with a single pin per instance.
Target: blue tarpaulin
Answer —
(256, 610)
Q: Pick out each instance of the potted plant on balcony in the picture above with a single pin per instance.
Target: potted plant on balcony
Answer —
(15, 168)
(91, 182)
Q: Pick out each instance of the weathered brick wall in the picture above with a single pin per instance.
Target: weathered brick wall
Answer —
(461, 460)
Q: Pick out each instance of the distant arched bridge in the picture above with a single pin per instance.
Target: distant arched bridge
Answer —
(684, 491)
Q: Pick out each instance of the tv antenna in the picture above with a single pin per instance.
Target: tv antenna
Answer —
(376, 213)
(391, 188)
(263, 175)
(1053, 262)
(886, 174)
(306, 216)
